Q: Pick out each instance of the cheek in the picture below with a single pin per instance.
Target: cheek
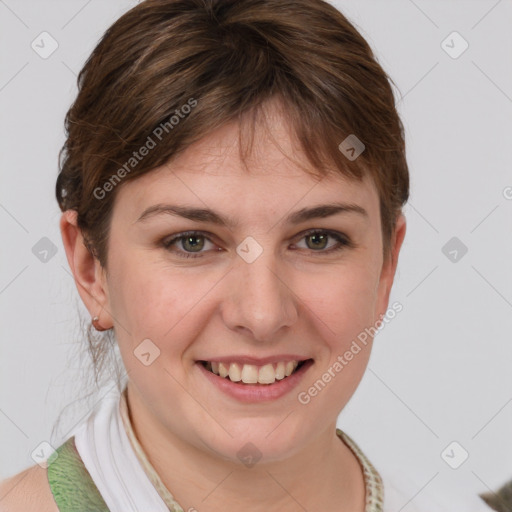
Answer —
(342, 305)
(343, 300)
(152, 300)
(140, 297)
(147, 304)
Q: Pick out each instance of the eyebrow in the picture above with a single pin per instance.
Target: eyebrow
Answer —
(207, 215)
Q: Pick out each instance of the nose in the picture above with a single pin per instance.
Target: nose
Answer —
(259, 302)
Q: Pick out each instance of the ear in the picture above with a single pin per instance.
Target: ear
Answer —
(89, 275)
(387, 275)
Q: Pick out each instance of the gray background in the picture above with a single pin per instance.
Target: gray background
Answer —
(440, 372)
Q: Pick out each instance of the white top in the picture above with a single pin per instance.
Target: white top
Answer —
(110, 460)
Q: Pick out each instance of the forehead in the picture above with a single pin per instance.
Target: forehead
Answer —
(272, 176)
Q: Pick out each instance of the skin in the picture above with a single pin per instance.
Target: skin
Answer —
(28, 491)
(291, 299)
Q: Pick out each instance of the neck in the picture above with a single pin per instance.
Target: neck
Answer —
(325, 474)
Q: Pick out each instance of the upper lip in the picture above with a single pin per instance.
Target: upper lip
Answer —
(258, 361)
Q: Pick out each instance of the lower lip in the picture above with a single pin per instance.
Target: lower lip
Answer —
(256, 392)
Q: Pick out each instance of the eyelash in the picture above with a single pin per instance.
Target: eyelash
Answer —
(343, 241)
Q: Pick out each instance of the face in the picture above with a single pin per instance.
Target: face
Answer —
(267, 266)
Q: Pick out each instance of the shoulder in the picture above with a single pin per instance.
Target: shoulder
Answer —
(28, 491)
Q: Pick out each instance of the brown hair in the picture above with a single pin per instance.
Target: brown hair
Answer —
(224, 58)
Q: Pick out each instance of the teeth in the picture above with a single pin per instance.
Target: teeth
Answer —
(252, 374)
(267, 374)
(223, 370)
(290, 366)
(249, 374)
(280, 370)
(234, 372)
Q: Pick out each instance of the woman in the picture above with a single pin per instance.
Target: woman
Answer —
(231, 188)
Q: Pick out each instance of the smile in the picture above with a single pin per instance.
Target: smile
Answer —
(251, 383)
(251, 373)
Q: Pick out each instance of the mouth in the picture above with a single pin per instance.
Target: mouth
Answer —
(255, 375)
(246, 382)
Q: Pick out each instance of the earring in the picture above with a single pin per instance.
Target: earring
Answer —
(96, 325)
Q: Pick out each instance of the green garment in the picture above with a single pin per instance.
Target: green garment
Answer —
(71, 484)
